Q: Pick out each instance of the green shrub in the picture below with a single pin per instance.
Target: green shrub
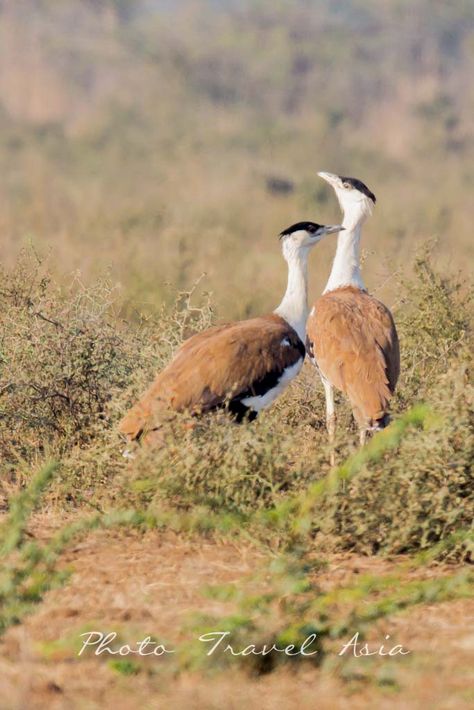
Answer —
(413, 497)
(215, 463)
(66, 356)
(434, 323)
(71, 368)
(62, 358)
(421, 494)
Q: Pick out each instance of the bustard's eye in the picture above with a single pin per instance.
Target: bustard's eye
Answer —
(347, 185)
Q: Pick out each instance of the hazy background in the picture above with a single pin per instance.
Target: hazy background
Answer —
(165, 139)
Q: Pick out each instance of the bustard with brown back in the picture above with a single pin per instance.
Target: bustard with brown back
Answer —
(243, 366)
(351, 336)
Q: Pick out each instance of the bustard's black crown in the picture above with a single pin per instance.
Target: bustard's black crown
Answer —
(359, 185)
(310, 227)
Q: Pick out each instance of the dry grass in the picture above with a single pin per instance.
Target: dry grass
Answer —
(152, 149)
(125, 583)
(82, 365)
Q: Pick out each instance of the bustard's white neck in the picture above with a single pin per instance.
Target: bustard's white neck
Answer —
(294, 306)
(346, 265)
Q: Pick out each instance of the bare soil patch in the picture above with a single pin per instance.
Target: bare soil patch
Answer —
(141, 585)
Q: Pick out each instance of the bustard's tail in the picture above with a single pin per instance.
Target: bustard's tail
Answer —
(381, 423)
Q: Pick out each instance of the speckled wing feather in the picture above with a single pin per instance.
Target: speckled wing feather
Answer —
(353, 339)
(218, 367)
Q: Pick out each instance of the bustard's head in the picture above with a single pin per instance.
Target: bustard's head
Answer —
(300, 237)
(354, 196)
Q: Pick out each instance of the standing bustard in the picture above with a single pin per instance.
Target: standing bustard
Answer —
(351, 336)
(241, 366)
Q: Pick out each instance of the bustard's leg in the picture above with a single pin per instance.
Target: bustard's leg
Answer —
(362, 436)
(330, 417)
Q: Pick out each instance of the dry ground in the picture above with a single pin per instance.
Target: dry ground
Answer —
(139, 585)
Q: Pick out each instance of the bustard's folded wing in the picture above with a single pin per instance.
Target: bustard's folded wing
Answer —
(222, 365)
(353, 339)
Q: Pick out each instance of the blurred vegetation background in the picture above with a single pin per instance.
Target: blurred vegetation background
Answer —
(166, 139)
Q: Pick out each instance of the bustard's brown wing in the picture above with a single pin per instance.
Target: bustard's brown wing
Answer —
(353, 339)
(223, 365)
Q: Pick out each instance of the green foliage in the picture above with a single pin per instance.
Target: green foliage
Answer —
(409, 490)
(152, 133)
(422, 494)
(69, 367)
(124, 666)
(290, 610)
(13, 528)
(214, 463)
(23, 577)
(28, 568)
(62, 358)
(413, 487)
(80, 367)
(434, 324)
(293, 607)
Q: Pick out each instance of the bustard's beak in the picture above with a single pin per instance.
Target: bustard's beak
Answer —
(331, 178)
(331, 228)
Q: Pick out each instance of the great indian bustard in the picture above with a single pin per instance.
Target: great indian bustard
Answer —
(240, 366)
(351, 336)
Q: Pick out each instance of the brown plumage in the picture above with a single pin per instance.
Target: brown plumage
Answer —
(243, 366)
(353, 340)
(221, 367)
